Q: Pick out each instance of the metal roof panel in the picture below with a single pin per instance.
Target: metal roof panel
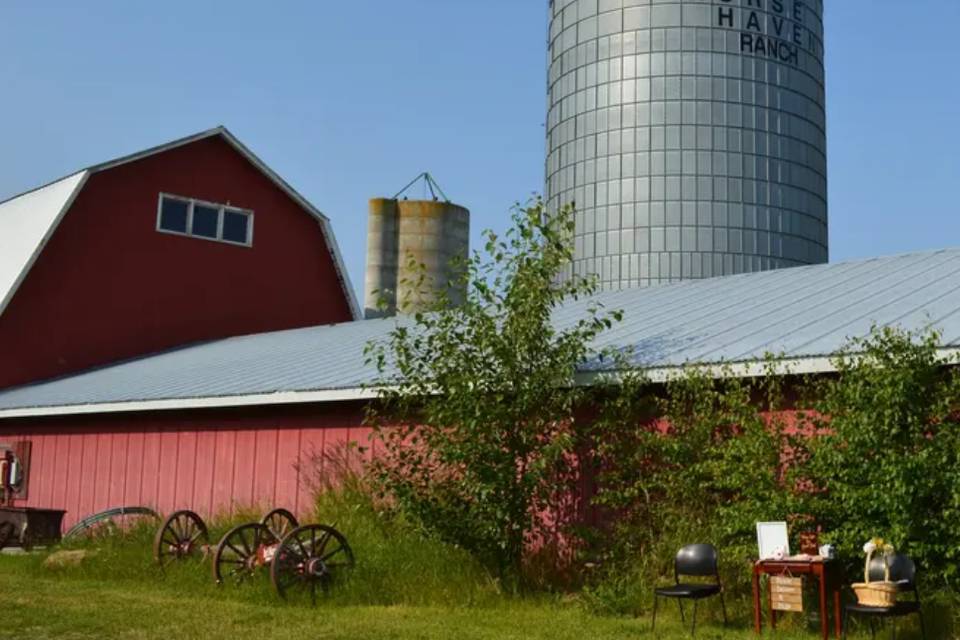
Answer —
(803, 312)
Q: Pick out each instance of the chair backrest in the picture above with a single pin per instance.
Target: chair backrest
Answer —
(902, 569)
(696, 560)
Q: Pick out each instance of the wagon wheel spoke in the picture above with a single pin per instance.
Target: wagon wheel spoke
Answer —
(185, 526)
(243, 541)
(303, 550)
(237, 553)
(280, 522)
(339, 549)
(174, 540)
(324, 541)
(182, 526)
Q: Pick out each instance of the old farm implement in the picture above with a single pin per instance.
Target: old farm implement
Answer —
(300, 560)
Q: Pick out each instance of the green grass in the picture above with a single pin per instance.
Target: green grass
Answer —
(138, 602)
(39, 603)
(404, 586)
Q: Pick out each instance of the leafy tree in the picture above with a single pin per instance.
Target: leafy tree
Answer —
(887, 460)
(477, 419)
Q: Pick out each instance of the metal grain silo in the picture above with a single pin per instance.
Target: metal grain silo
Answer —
(430, 232)
(691, 136)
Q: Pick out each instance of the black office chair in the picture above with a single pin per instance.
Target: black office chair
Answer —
(903, 572)
(698, 560)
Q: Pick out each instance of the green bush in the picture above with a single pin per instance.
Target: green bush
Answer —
(886, 460)
(694, 462)
(873, 450)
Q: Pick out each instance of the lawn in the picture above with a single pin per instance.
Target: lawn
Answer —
(76, 604)
(403, 586)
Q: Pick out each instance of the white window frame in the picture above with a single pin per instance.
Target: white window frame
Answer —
(221, 210)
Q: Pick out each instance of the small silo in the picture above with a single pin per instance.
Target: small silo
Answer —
(402, 232)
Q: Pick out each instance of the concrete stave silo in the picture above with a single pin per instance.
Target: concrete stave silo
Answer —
(431, 233)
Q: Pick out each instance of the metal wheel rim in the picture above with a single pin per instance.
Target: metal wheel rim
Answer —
(239, 552)
(309, 559)
(280, 522)
(182, 535)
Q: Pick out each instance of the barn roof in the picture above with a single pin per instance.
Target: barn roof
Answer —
(803, 314)
(29, 220)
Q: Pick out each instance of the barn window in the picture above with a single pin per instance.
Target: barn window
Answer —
(207, 220)
(173, 215)
(236, 226)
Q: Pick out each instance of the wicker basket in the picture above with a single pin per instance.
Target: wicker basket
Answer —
(876, 594)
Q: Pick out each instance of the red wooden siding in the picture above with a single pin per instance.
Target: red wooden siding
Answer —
(211, 462)
(108, 286)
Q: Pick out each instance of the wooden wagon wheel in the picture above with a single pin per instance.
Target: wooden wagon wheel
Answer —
(183, 535)
(309, 558)
(242, 552)
(280, 522)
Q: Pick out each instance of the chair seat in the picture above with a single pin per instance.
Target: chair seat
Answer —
(694, 591)
(899, 609)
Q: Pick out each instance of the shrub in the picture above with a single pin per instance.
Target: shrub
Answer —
(886, 461)
(698, 461)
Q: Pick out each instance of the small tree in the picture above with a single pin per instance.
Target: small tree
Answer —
(477, 412)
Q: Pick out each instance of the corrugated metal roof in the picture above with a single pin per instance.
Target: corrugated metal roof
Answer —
(28, 220)
(800, 314)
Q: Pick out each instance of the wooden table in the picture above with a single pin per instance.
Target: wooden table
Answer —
(827, 573)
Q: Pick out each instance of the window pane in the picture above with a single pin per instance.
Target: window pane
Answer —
(173, 215)
(235, 226)
(205, 221)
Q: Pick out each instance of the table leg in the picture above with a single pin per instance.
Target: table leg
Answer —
(837, 615)
(756, 601)
(824, 612)
(773, 612)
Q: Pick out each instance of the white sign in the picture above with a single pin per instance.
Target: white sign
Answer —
(772, 540)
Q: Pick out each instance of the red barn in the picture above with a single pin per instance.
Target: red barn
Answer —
(237, 421)
(189, 241)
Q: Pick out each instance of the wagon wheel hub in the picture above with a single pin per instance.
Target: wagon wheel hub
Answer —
(316, 568)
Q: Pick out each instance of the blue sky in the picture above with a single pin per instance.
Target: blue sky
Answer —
(351, 99)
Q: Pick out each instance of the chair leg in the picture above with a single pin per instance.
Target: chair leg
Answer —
(846, 621)
(693, 628)
(656, 599)
(873, 628)
(683, 618)
(923, 627)
(723, 607)
(893, 623)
